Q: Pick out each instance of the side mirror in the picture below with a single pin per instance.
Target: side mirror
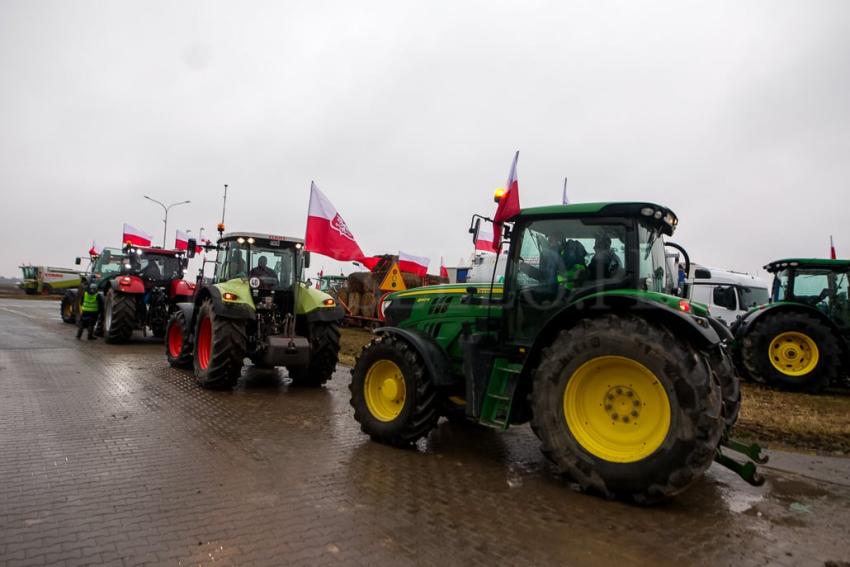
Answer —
(191, 247)
(185, 263)
(475, 228)
(306, 260)
(77, 261)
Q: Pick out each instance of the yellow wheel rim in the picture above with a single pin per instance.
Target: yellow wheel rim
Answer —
(793, 353)
(384, 390)
(617, 409)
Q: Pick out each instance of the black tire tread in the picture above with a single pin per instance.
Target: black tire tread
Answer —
(755, 343)
(184, 359)
(228, 351)
(704, 417)
(69, 298)
(423, 415)
(123, 317)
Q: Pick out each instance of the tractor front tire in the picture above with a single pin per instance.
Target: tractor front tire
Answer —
(392, 394)
(220, 345)
(178, 341)
(67, 307)
(792, 350)
(626, 408)
(119, 316)
(324, 355)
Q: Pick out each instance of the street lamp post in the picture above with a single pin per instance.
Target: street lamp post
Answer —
(165, 208)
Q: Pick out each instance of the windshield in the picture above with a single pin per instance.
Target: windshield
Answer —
(656, 272)
(29, 272)
(749, 297)
(157, 266)
(274, 267)
(570, 253)
(110, 262)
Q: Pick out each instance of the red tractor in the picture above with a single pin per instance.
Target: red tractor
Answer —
(145, 293)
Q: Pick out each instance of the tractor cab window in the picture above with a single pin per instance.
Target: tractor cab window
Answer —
(841, 306)
(656, 273)
(553, 260)
(29, 272)
(274, 267)
(812, 288)
(109, 263)
(779, 288)
(159, 267)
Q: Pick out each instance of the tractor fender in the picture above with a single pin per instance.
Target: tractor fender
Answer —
(435, 358)
(751, 318)
(326, 315)
(224, 308)
(127, 284)
(697, 330)
(181, 288)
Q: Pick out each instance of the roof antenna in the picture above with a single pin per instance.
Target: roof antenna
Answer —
(223, 207)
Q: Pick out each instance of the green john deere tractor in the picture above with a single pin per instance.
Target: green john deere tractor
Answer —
(627, 385)
(255, 307)
(801, 340)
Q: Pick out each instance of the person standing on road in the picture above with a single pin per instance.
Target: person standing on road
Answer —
(89, 311)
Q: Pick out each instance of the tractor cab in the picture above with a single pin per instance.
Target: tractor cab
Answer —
(155, 266)
(822, 284)
(561, 254)
(109, 263)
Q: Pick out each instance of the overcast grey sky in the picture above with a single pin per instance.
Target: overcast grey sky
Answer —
(735, 114)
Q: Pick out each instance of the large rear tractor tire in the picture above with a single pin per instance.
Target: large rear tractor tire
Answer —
(792, 350)
(324, 354)
(67, 307)
(626, 408)
(220, 345)
(392, 394)
(178, 341)
(119, 316)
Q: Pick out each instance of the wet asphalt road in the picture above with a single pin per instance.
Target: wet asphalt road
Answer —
(107, 455)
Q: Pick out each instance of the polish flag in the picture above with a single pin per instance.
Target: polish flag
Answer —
(94, 250)
(413, 264)
(327, 233)
(486, 241)
(509, 203)
(371, 262)
(444, 273)
(135, 236)
(832, 248)
(181, 240)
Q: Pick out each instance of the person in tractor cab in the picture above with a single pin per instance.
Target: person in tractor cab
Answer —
(573, 269)
(89, 311)
(605, 263)
(266, 274)
(237, 265)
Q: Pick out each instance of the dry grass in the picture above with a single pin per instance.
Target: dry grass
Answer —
(351, 341)
(819, 423)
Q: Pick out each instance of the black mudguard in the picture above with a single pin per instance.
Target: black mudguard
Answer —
(435, 358)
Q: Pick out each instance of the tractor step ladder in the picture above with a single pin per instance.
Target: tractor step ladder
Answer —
(496, 407)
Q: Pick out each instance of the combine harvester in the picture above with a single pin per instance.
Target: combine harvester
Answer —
(44, 280)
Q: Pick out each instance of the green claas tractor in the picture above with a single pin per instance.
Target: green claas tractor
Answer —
(102, 268)
(627, 385)
(801, 340)
(256, 307)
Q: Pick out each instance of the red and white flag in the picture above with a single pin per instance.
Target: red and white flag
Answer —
(509, 203)
(94, 250)
(327, 233)
(413, 264)
(136, 236)
(832, 248)
(444, 273)
(181, 240)
(486, 241)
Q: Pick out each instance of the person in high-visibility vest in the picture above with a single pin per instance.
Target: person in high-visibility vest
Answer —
(89, 311)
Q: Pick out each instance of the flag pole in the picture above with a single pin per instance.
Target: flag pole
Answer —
(564, 198)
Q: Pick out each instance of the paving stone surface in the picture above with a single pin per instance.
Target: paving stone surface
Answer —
(110, 457)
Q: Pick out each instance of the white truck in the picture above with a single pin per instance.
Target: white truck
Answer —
(728, 294)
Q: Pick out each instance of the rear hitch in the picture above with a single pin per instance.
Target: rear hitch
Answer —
(746, 470)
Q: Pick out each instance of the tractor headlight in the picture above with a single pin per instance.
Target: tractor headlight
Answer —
(647, 211)
(385, 304)
(230, 296)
